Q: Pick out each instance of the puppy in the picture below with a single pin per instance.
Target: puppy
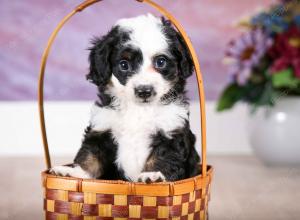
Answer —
(139, 128)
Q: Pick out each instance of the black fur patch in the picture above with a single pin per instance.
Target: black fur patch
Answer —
(102, 146)
(133, 56)
(175, 157)
(179, 50)
(102, 61)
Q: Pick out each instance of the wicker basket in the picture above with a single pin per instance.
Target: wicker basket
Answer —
(74, 198)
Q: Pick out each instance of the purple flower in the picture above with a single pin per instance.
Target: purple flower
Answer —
(245, 53)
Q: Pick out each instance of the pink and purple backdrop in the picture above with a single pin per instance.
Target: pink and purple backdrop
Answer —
(26, 25)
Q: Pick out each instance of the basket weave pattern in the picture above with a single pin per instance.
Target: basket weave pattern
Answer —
(62, 204)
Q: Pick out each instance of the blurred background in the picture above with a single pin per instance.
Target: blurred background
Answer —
(256, 155)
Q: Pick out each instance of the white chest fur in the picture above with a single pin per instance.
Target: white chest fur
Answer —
(132, 128)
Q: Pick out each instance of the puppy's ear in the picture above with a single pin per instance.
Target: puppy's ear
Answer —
(186, 65)
(165, 22)
(179, 49)
(99, 58)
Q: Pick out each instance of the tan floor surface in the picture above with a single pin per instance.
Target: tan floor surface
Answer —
(242, 189)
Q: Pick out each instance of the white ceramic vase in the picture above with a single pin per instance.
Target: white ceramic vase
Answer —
(274, 132)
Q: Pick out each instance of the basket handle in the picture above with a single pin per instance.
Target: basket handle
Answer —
(178, 26)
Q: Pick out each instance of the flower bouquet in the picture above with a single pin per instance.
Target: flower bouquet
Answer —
(264, 63)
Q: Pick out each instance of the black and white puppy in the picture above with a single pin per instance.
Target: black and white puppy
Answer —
(139, 129)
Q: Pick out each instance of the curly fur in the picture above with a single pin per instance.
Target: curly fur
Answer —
(134, 135)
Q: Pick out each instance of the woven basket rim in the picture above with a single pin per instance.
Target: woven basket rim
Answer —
(210, 169)
(51, 181)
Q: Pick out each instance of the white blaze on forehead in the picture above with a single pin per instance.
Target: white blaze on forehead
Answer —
(145, 33)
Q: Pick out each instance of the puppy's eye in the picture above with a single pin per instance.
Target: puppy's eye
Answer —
(124, 65)
(160, 62)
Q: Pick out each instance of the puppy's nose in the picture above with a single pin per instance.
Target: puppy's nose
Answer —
(144, 91)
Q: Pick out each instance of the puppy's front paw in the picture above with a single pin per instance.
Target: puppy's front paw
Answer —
(151, 177)
(61, 170)
(75, 171)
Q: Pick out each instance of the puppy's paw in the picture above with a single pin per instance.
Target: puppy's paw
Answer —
(61, 170)
(67, 171)
(151, 177)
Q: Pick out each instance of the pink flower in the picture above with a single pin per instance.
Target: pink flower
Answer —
(246, 53)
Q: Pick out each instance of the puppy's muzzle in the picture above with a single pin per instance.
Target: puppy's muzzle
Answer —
(144, 91)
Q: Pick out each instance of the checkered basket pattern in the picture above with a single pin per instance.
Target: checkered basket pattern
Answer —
(84, 199)
(80, 202)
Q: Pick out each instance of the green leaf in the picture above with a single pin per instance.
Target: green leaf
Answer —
(285, 79)
(229, 97)
(267, 97)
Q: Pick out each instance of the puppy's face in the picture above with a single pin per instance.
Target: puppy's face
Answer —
(140, 60)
